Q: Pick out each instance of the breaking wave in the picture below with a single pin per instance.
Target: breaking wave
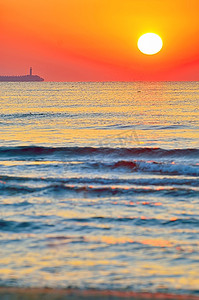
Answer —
(76, 151)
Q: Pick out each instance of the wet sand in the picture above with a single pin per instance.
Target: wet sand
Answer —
(70, 294)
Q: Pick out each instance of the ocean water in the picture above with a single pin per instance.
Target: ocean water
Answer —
(99, 185)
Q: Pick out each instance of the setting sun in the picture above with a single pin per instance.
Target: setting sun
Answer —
(150, 43)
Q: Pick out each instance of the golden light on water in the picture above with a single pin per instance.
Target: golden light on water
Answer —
(77, 187)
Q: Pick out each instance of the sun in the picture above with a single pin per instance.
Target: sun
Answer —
(150, 43)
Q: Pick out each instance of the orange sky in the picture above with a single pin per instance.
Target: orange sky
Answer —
(96, 40)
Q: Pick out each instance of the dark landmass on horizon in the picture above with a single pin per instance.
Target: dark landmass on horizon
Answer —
(23, 78)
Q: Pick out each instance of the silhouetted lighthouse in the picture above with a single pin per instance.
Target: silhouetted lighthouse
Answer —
(23, 78)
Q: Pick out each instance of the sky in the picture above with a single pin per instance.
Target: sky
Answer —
(96, 40)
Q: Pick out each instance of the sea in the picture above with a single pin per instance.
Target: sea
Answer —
(99, 185)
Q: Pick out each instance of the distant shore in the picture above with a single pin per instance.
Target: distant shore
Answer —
(12, 293)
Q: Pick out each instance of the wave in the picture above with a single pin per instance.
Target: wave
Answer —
(162, 168)
(158, 167)
(24, 226)
(139, 221)
(9, 225)
(140, 166)
(23, 151)
(95, 191)
(165, 181)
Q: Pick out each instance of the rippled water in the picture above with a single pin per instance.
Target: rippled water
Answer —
(99, 185)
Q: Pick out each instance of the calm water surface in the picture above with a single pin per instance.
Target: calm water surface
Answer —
(99, 185)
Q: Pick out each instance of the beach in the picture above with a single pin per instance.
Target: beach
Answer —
(56, 294)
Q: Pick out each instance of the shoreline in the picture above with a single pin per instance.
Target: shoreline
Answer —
(13, 293)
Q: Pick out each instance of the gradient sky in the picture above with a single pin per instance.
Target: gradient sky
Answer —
(96, 40)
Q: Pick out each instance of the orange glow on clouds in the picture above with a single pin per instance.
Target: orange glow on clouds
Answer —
(80, 40)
